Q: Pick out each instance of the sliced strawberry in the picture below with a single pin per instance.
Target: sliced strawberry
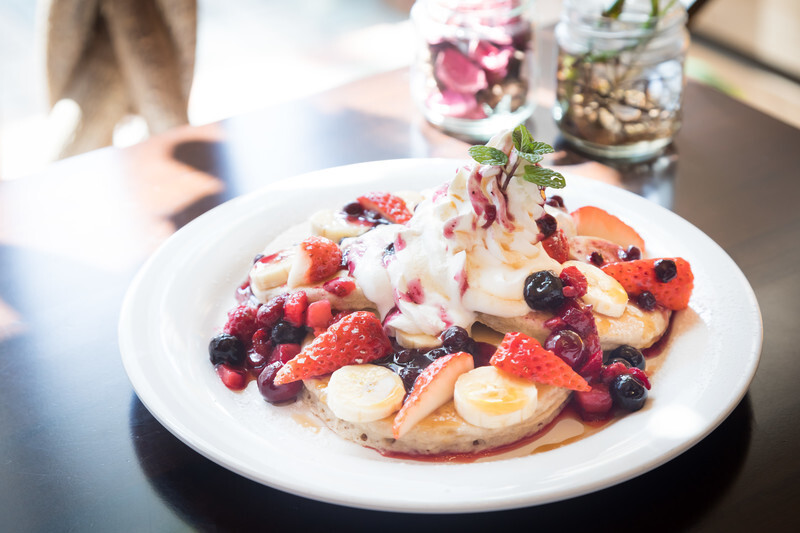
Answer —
(294, 308)
(524, 357)
(596, 222)
(355, 339)
(432, 389)
(556, 246)
(391, 207)
(640, 276)
(317, 258)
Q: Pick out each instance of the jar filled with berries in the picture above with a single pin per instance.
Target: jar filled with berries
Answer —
(473, 70)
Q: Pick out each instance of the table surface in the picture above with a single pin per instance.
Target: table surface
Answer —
(80, 451)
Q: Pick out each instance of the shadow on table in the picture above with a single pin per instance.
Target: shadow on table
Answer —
(209, 497)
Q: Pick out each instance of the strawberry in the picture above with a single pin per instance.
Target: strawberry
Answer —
(524, 357)
(556, 246)
(355, 339)
(294, 308)
(640, 276)
(595, 222)
(317, 258)
(391, 207)
(432, 389)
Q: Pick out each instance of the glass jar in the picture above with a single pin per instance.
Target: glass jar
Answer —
(472, 74)
(620, 77)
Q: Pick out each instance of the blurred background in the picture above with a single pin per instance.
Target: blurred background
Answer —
(250, 54)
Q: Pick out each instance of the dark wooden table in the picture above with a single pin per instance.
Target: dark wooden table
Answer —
(80, 452)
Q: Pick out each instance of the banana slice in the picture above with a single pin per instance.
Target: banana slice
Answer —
(330, 224)
(489, 398)
(605, 294)
(416, 340)
(270, 274)
(364, 393)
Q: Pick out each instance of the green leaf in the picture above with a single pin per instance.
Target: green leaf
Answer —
(540, 148)
(544, 177)
(486, 155)
(522, 138)
(530, 158)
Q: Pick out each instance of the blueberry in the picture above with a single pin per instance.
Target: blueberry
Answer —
(405, 356)
(456, 339)
(285, 333)
(436, 353)
(597, 259)
(633, 253)
(555, 201)
(665, 270)
(646, 301)
(628, 392)
(543, 291)
(225, 348)
(633, 356)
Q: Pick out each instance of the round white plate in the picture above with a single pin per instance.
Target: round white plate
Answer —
(179, 299)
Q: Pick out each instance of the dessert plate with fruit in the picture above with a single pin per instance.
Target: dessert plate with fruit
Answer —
(492, 339)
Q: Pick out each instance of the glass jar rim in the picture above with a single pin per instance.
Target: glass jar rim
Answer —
(476, 8)
(585, 18)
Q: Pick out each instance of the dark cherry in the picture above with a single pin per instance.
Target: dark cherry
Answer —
(543, 291)
(646, 301)
(276, 393)
(630, 354)
(483, 353)
(285, 333)
(628, 392)
(270, 313)
(456, 339)
(547, 224)
(665, 270)
(566, 344)
(226, 348)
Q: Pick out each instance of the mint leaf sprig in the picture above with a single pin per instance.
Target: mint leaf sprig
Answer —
(526, 148)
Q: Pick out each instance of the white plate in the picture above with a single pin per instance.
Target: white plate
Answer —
(178, 301)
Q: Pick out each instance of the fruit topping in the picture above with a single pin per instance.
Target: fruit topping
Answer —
(595, 404)
(665, 270)
(547, 225)
(316, 259)
(603, 293)
(543, 291)
(285, 333)
(646, 301)
(630, 354)
(631, 254)
(355, 339)
(340, 287)
(574, 282)
(294, 310)
(639, 276)
(277, 393)
(524, 357)
(233, 378)
(567, 345)
(391, 207)
(226, 348)
(456, 339)
(433, 388)
(557, 246)
(319, 315)
(364, 393)
(628, 392)
(284, 353)
(241, 323)
(595, 222)
(271, 312)
(490, 398)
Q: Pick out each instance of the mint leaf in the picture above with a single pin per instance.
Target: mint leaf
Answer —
(544, 177)
(486, 155)
(530, 158)
(522, 138)
(540, 148)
